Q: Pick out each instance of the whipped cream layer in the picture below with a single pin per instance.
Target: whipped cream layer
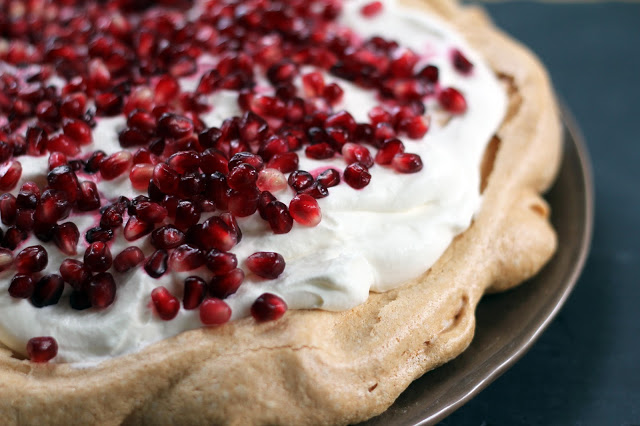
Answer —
(372, 239)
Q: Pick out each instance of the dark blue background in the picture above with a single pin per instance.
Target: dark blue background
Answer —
(585, 369)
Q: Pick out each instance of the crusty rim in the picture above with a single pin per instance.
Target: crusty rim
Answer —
(316, 367)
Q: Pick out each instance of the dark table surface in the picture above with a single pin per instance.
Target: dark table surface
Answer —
(585, 369)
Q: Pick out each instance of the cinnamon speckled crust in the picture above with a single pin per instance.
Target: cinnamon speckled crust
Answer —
(315, 367)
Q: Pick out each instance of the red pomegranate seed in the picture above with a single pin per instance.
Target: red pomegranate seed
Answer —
(47, 111)
(243, 203)
(128, 259)
(195, 289)
(144, 156)
(130, 137)
(166, 179)
(77, 130)
(274, 145)
(407, 163)
(242, 176)
(320, 151)
(415, 127)
(266, 264)
(53, 206)
(47, 291)
(174, 126)
(111, 218)
(156, 265)
(265, 198)
(150, 212)
(460, 62)
(6, 259)
(167, 237)
(93, 162)
(97, 257)
(268, 307)
(253, 127)
(285, 162)
(166, 90)
(232, 223)
(66, 237)
(101, 290)
(89, 197)
(316, 190)
(12, 237)
(329, 178)
(31, 259)
(64, 144)
(37, 141)
(75, 273)
(42, 349)
(116, 164)
(136, 228)
(246, 158)
(140, 176)
(332, 93)
(108, 104)
(57, 159)
(187, 214)
(225, 285)
(166, 304)
(186, 258)
(21, 287)
(300, 180)
(452, 101)
(98, 234)
(305, 210)
(8, 208)
(10, 173)
(313, 84)
(388, 150)
(383, 131)
(353, 153)
(214, 311)
(24, 219)
(357, 175)
(73, 105)
(279, 218)
(212, 161)
(430, 73)
(142, 121)
(271, 180)
(371, 9)
(184, 162)
(64, 179)
(341, 119)
(221, 263)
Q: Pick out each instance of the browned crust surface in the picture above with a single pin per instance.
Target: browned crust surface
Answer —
(315, 367)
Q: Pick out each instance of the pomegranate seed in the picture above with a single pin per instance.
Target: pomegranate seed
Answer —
(66, 237)
(93, 162)
(108, 104)
(116, 164)
(73, 105)
(142, 121)
(316, 190)
(79, 300)
(415, 127)
(383, 131)
(6, 259)
(97, 257)
(136, 228)
(232, 223)
(285, 162)
(329, 178)
(430, 73)
(144, 156)
(47, 291)
(166, 304)
(313, 84)
(166, 179)
(10, 173)
(128, 259)
(37, 141)
(332, 93)
(101, 290)
(187, 214)
(246, 158)
(31, 259)
(53, 206)
(242, 176)
(64, 144)
(140, 176)
(133, 137)
(371, 9)
(57, 159)
(8, 208)
(156, 265)
(271, 180)
(194, 291)
(64, 179)
(75, 273)
(388, 150)
(166, 90)
(452, 101)
(12, 237)
(150, 212)
(460, 62)
(274, 145)
(320, 151)
(174, 126)
(24, 219)
(186, 258)
(98, 234)
(305, 210)
(253, 127)
(407, 163)
(221, 263)
(167, 237)
(111, 218)
(341, 119)
(22, 286)
(243, 203)
(357, 175)
(89, 197)
(47, 111)
(42, 349)
(300, 180)
(212, 161)
(266, 264)
(225, 285)
(185, 162)
(268, 307)
(214, 311)
(77, 130)
(357, 153)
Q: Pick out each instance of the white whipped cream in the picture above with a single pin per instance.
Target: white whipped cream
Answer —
(373, 239)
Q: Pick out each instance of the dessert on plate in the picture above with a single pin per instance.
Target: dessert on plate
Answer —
(257, 212)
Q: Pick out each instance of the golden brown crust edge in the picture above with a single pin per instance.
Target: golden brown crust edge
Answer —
(315, 367)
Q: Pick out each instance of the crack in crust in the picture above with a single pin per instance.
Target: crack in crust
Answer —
(315, 367)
